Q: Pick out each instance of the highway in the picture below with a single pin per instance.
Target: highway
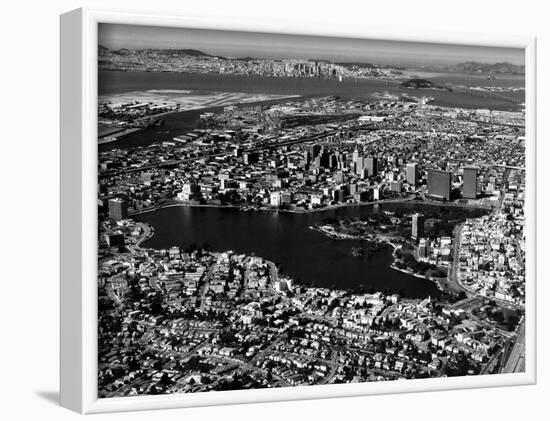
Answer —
(515, 363)
(497, 358)
(456, 285)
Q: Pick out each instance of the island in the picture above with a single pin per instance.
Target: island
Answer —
(423, 84)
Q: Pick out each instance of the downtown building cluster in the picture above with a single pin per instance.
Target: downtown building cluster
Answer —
(285, 158)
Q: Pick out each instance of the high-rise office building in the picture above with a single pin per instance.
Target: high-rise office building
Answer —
(307, 157)
(359, 166)
(412, 173)
(439, 184)
(417, 226)
(338, 195)
(371, 164)
(355, 155)
(324, 159)
(469, 186)
(314, 151)
(118, 209)
(332, 161)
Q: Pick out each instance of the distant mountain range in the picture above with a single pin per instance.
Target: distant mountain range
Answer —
(475, 67)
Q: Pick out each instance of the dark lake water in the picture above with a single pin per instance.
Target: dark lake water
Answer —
(285, 238)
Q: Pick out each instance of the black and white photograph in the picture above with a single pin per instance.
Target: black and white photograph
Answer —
(289, 210)
(279, 210)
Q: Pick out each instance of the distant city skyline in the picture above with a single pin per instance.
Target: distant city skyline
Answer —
(281, 46)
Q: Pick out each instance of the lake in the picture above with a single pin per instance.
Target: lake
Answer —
(285, 238)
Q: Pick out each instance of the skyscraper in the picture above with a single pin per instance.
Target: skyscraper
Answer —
(314, 150)
(439, 184)
(324, 159)
(355, 155)
(371, 164)
(469, 186)
(412, 173)
(307, 157)
(417, 226)
(118, 209)
(359, 166)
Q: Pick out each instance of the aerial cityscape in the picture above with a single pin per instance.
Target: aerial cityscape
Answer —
(279, 211)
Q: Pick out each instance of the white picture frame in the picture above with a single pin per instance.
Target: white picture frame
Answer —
(78, 321)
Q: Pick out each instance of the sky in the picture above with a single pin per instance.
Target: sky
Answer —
(281, 46)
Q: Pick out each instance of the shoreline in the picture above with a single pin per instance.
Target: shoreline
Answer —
(267, 209)
(150, 232)
(386, 242)
(410, 272)
(307, 86)
(438, 283)
(206, 108)
(307, 211)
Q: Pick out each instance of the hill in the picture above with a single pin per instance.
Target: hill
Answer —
(475, 67)
(183, 52)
